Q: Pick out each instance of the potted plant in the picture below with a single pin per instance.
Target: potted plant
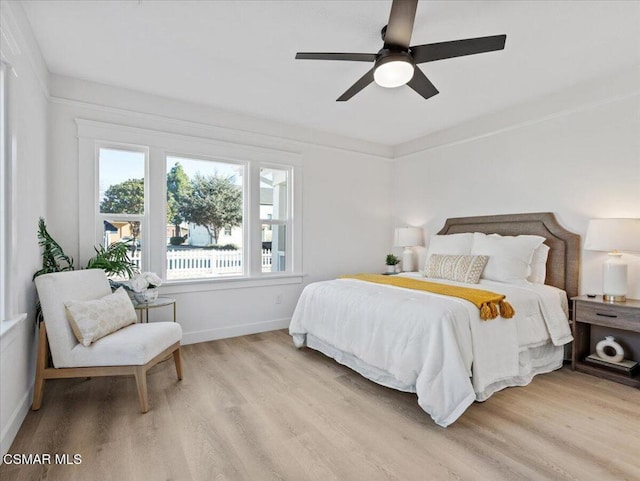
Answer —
(53, 257)
(114, 260)
(392, 261)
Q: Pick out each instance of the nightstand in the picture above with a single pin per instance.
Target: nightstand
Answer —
(592, 320)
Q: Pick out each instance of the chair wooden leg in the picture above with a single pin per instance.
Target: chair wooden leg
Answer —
(178, 362)
(41, 364)
(141, 381)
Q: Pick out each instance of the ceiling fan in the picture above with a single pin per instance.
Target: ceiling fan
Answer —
(396, 62)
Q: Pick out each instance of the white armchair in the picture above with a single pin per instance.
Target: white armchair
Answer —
(130, 351)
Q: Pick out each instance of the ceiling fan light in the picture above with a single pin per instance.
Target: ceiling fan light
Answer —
(394, 73)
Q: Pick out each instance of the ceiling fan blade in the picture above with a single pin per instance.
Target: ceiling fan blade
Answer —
(400, 26)
(457, 48)
(365, 80)
(353, 57)
(421, 84)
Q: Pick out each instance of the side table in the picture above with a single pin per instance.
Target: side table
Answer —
(143, 308)
(621, 316)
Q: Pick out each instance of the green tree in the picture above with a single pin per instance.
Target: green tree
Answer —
(178, 188)
(125, 198)
(214, 202)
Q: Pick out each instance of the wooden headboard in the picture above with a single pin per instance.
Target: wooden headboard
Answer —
(563, 263)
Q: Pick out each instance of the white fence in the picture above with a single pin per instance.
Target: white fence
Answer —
(195, 263)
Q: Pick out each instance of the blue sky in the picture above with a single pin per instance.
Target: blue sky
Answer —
(119, 165)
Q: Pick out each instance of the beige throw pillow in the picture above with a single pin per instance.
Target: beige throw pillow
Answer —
(455, 268)
(91, 320)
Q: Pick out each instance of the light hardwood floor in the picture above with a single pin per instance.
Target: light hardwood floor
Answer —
(255, 408)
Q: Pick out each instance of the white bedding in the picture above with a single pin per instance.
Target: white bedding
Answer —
(434, 345)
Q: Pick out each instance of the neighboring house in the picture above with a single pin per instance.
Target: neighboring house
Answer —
(199, 236)
(115, 231)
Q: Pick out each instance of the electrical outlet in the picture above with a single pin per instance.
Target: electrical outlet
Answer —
(279, 299)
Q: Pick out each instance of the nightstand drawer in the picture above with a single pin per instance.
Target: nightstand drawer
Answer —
(608, 315)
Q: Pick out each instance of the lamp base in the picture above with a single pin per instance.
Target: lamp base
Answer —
(613, 298)
(614, 285)
(407, 260)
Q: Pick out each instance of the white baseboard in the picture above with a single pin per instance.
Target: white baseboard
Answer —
(234, 331)
(15, 421)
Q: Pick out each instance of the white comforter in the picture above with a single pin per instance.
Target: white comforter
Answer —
(428, 343)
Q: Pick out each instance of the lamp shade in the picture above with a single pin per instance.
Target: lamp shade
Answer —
(613, 235)
(408, 236)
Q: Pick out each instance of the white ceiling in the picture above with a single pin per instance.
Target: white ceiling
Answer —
(239, 55)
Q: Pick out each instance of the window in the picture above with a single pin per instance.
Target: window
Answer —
(205, 213)
(191, 209)
(122, 199)
(275, 219)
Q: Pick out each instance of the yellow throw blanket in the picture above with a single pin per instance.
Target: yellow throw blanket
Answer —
(488, 302)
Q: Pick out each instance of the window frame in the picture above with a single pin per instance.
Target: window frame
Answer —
(160, 145)
(287, 222)
(245, 213)
(143, 218)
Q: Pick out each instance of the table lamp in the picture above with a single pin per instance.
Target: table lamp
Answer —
(408, 237)
(613, 236)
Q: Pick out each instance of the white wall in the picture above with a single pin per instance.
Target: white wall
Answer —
(345, 196)
(579, 161)
(27, 103)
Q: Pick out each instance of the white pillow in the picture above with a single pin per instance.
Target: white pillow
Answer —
(509, 256)
(455, 268)
(539, 265)
(91, 320)
(454, 244)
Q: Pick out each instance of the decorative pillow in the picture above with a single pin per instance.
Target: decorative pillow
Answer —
(539, 265)
(509, 256)
(455, 268)
(454, 244)
(91, 320)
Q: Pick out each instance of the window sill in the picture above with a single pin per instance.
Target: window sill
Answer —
(8, 329)
(203, 285)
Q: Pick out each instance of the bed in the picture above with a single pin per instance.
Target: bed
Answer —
(438, 346)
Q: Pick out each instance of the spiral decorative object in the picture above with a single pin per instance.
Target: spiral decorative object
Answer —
(609, 350)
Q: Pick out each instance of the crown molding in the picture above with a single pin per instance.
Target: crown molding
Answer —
(567, 102)
(94, 129)
(582, 97)
(22, 50)
(227, 126)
